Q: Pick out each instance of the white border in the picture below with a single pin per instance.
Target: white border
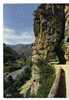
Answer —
(1, 38)
(1, 50)
(35, 1)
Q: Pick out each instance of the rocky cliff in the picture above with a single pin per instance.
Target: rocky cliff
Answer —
(66, 33)
(50, 24)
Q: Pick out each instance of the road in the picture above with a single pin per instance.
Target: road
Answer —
(18, 72)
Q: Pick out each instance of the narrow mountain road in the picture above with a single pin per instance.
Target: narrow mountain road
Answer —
(18, 72)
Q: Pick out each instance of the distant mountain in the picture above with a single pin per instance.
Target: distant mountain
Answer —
(22, 49)
(9, 54)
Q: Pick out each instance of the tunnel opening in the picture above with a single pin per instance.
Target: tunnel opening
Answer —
(61, 91)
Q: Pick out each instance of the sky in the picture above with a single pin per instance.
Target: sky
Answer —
(18, 23)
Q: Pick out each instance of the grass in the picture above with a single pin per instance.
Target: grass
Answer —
(45, 87)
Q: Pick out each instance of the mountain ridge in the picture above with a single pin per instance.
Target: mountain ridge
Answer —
(21, 48)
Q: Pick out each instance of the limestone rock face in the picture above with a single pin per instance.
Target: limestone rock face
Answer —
(66, 33)
(49, 25)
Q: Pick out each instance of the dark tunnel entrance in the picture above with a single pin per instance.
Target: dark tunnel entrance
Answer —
(61, 91)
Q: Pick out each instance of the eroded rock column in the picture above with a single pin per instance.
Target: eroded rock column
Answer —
(49, 26)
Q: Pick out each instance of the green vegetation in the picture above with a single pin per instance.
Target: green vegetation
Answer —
(11, 86)
(47, 76)
(10, 57)
(46, 79)
(43, 92)
(13, 61)
(9, 54)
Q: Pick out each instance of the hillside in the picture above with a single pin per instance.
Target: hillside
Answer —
(9, 54)
(20, 49)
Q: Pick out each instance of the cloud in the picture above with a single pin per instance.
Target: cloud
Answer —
(11, 37)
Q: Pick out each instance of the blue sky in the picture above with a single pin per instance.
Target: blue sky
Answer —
(18, 23)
